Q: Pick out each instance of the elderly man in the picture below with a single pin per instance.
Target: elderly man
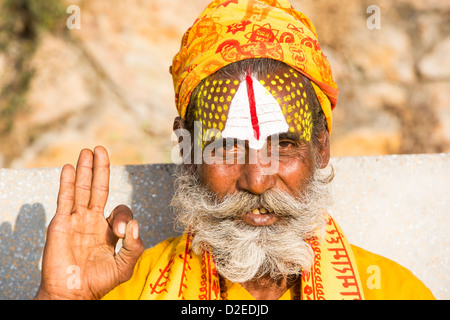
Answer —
(255, 96)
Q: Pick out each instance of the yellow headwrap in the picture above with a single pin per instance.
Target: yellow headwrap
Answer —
(234, 30)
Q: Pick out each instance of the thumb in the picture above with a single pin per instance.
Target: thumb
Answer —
(129, 253)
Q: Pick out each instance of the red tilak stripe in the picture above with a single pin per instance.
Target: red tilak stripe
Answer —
(252, 102)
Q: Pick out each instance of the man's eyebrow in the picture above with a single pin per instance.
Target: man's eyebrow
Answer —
(223, 140)
(289, 135)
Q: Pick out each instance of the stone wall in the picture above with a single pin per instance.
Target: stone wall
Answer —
(108, 82)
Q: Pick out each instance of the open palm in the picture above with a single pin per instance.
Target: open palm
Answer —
(79, 260)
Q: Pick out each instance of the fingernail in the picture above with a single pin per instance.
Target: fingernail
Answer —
(135, 231)
(121, 228)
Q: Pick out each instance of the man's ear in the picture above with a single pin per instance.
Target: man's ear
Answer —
(178, 123)
(179, 128)
(324, 149)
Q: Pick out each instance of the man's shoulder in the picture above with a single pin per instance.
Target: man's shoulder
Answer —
(156, 251)
(385, 279)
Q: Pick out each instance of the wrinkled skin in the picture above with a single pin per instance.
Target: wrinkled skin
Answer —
(296, 165)
(79, 260)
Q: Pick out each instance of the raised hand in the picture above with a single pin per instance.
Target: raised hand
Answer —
(79, 260)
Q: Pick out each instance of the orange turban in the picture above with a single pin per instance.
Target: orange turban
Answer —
(234, 30)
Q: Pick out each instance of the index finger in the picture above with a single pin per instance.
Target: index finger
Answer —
(100, 180)
(118, 219)
(66, 192)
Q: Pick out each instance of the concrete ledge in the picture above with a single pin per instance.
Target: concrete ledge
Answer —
(396, 206)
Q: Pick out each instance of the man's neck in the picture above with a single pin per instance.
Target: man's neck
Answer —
(266, 288)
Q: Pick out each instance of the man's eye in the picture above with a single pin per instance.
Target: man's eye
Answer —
(228, 146)
(286, 144)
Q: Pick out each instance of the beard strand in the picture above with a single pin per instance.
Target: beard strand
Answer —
(243, 252)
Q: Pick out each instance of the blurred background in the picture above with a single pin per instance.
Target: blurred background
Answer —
(108, 83)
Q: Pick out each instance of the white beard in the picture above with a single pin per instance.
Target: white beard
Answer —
(243, 252)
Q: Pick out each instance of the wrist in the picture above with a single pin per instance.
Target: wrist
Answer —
(43, 294)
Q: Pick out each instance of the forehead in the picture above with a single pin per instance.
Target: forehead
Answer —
(254, 106)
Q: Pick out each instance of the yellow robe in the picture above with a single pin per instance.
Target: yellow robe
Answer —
(170, 270)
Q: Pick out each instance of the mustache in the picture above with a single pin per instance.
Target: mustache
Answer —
(195, 202)
(235, 205)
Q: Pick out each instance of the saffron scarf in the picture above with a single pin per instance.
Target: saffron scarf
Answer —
(234, 30)
(181, 274)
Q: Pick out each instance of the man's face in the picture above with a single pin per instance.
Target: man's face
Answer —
(295, 169)
(246, 116)
(253, 222)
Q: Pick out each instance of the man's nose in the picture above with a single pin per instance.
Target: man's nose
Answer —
(255, 176)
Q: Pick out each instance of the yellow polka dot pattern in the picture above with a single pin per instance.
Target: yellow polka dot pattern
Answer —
(290, 92)
(215, 95)
(213, 102)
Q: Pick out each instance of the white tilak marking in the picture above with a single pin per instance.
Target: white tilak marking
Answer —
(239, 124)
